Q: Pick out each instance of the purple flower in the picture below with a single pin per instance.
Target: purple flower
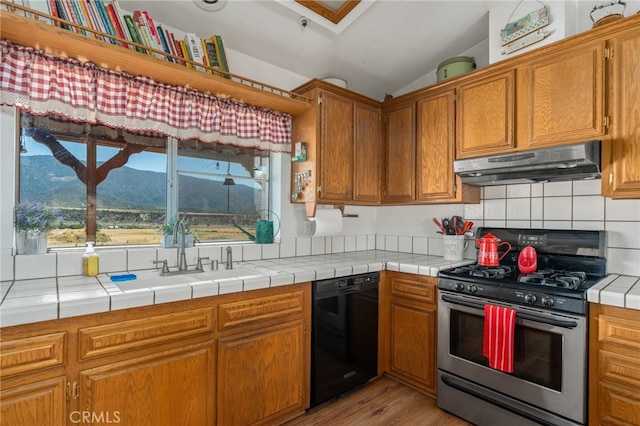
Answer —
(35, 216)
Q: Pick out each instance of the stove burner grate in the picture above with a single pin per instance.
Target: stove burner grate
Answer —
(548, 277)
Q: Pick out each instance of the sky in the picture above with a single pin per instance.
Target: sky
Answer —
(148, 161)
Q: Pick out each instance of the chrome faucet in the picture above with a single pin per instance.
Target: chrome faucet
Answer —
(229, 264)
(180, 227)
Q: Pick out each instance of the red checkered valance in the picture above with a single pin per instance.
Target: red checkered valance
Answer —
(43, 84)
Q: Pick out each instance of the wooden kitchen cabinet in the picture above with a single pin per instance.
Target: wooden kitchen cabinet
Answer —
(621, 154)
(263, 359)
(367, 161)
(162, 364)
(485, 114)
(412, 330)
(343, 147)
(151, 370)
(561, 97)
(33, 385)
(614, 366)
(399, 152)
(436, 181)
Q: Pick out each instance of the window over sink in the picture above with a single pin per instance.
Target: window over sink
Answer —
(141, 182)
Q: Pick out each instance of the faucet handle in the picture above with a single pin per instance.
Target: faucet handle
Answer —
(165, 266)
(199, 264)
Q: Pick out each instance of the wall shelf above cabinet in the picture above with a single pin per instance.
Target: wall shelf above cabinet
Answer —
(32, 33)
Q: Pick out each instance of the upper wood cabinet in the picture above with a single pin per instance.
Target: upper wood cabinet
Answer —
(343, 139)
(436, 181)
(485, 115)
(561, 97)
(400, 152)
(621, 154)
(367, 164)
(335, 152)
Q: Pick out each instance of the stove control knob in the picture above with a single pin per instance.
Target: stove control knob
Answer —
(473, 289)
(459, 287)
(547, 302)
(530, 299)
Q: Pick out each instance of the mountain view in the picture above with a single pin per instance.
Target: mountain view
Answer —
(44, 179)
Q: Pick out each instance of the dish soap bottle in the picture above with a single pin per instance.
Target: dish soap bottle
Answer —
(90, 260)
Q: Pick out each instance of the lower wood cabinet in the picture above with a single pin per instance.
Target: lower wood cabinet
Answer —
(614, 366)
(169, 387)
(262, 375)
(234, 359)
(412, 327)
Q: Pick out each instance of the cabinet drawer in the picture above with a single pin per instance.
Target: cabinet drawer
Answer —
(414, 289)
(32, 353)
(127, 335)
(620, 368)
(261, 308)
(618, 405)
(619, 331)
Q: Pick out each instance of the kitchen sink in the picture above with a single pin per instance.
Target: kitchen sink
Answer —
(147, 279)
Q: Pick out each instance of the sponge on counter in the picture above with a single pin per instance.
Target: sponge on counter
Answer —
(123, 277)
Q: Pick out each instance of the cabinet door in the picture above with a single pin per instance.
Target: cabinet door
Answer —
(38, 403)
(400, 151)
(168, 388)
(621, 155)
(435, 147)
(336, 148)
(413, 331)
(366, 162)
(484, 115)
(262, 375)
(561, 98)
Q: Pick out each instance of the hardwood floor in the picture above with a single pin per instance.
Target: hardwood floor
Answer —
(381, 402)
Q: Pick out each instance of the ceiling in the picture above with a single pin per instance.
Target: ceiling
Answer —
(379, 47)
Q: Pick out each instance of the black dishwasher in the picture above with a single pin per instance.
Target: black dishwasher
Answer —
(344, 339)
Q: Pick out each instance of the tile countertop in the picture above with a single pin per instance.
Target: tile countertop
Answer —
(29, 301)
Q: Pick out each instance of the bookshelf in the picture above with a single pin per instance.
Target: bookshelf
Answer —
(30, 32)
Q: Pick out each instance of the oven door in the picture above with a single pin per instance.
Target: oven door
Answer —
(550, 361)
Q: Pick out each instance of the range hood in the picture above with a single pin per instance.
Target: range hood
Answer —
(571, 162)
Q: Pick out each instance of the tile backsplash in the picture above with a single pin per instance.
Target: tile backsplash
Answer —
(562, 205)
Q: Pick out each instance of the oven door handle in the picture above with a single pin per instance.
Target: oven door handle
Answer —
(449, 381)
(521, 315)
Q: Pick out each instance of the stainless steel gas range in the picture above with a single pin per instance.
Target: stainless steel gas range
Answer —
(548, 382)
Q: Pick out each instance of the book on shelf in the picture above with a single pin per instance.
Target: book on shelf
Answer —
(113, 17)
(145, 34)
(133, 31)
(165, 42)
(185, 52)
(212, 53)
(194, 47)
(121, 22)
(96, 20)
(62, 13)
(104, 16)
(222, 56)
(78, 16)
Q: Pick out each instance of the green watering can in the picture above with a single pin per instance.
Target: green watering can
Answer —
(264, 230)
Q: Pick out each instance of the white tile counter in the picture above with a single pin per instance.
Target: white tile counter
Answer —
(616, 290)
(28, 301)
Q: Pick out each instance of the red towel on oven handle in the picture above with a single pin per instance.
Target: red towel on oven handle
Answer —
(499, 329)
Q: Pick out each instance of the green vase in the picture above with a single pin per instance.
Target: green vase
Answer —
(31, 242)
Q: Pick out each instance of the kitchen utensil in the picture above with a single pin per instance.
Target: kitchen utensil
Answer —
(439, 225)
(467, 226)
(488, 254)
(458, 224)
(608, 12)
(528, 260)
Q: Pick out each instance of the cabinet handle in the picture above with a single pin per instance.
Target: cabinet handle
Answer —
(73, 391)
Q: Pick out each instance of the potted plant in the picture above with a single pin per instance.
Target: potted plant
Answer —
(32, 221)
(168, 228)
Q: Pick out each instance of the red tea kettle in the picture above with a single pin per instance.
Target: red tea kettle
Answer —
(488, 245)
